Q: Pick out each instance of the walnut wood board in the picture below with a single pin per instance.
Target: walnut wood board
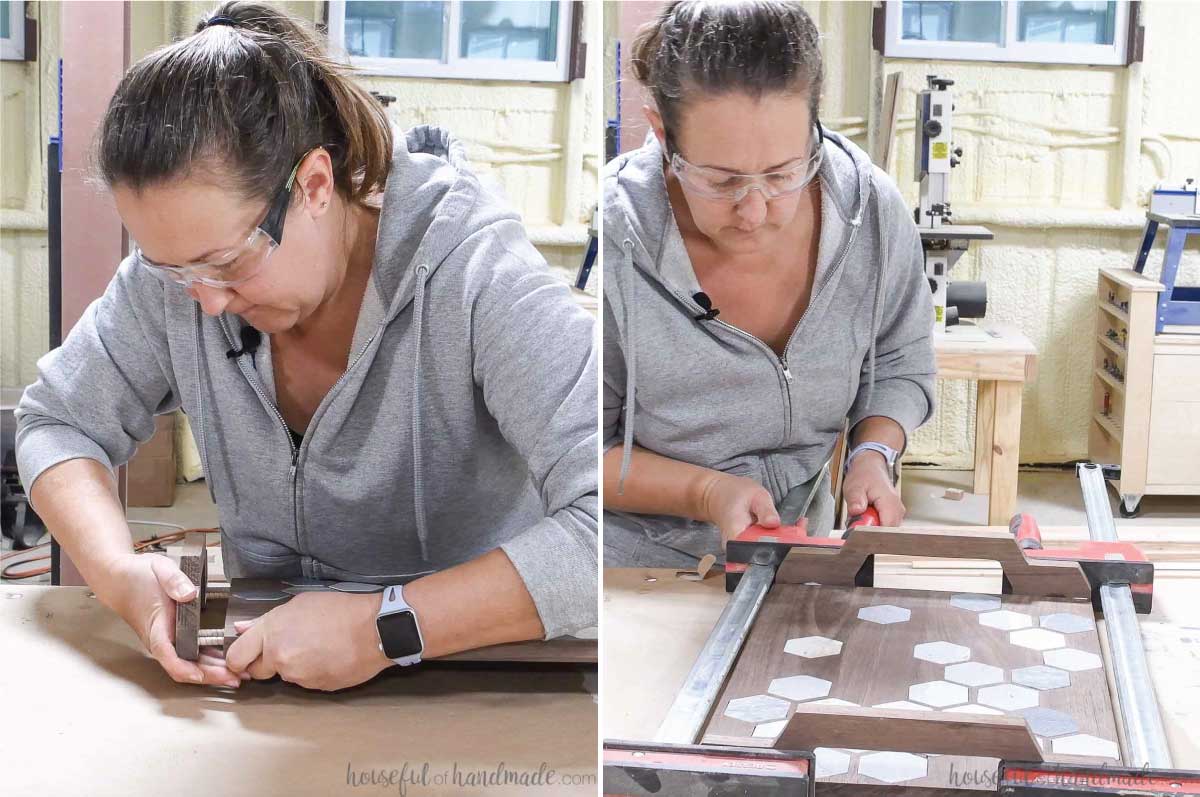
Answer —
(860, 661)
(193, 561)
(250, 599)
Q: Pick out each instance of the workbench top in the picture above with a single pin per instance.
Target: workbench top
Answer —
(656, 623)
(87, 711)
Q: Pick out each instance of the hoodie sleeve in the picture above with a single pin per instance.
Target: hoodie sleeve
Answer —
(614, 356)
(904, 359)
(535, 361)
(96, 395)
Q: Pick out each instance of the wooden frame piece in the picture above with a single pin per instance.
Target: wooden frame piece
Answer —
(193, 561)
(909, 732)
(1022, 576)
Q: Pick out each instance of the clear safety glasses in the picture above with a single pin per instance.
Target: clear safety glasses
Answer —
(237, 265)
(727, 186)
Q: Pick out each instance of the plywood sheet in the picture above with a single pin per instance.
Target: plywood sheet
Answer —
(921, 651)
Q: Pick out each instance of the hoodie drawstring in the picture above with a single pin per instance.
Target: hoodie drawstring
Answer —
(418, 483)
(877, 302)
(200, 436)
(630, 364)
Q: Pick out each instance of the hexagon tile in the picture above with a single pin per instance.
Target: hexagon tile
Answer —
(1008, 697)
(833, 701)
(812, 647)
(831, 762)
(1039, 676)
(799, 687)
(1073, 660)
(1086, 744)
(974, 673)
(903, 705)
(941, 652)
(758, 708)
(1067, 623)
(1048, 722)
(971, 708)
(884, 614)
(938, 693)
(1006, 620)
(770, 730)
(976, 603)
(892, 767)
(1037, 639)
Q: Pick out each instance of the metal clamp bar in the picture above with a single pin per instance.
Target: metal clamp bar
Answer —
(1147, 741)
(692, 705)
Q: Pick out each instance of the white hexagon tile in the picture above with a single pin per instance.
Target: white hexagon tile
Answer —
(1008, 697)
(974, 673)
(833, 701)
(892, 767)
(938, 693)
(1006, 620)
(812, 647)
(1073, 660)
(1086, 744)
(799, 687)
(941, 652)
(1067, 623)
(884, 614)
(1048, 722)
(975, 603)
(769, 730)
(903, 705)
(972, 708)
(831, 762)
(1039, 676)
(1037, 639)
(756, 709)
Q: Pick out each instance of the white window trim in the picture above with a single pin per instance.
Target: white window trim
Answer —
(13, 47)
(454, 66)
(1009, 49)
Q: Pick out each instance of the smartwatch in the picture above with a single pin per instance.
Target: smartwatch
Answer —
(890, 454)
(399, 634)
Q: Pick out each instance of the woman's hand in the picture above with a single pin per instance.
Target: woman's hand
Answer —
(143, 590)
(733, 502)
(869, 483)
(318, 640)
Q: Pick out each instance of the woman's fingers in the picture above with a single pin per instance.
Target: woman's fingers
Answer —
(856, 498)
(172, 579)
(763, 509)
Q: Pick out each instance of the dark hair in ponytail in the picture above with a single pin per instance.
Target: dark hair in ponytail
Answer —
(755, 47)
(250, 91)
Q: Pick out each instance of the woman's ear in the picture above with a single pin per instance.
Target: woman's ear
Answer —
(315, 179)
(656, 124)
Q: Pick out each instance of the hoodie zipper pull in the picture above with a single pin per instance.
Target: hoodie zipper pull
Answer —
(786, 373)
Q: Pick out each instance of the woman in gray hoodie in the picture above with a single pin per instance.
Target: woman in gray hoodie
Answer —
(763, 284)
(385, 383)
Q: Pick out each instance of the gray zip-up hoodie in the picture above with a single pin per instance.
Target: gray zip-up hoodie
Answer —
(465, 420)
(713, 395)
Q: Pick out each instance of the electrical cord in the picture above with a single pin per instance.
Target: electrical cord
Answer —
(154, 544)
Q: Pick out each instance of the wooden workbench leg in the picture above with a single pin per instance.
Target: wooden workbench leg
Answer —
(985, 423)
(1006, 444)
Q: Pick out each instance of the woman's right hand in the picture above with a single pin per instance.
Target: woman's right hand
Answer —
(734, 502)
(143, 589)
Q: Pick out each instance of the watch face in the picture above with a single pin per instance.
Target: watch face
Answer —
(399, 635)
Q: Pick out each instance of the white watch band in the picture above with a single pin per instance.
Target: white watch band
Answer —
(394, 603)
(890, 455)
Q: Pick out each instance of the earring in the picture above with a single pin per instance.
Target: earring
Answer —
(326, 202)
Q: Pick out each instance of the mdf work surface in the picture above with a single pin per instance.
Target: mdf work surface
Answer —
(98, 716)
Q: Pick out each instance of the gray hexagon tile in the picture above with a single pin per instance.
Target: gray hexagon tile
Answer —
(1067, 623)
(1037, 639)
(974, 673)
(892, 767)
(1039, 676)
(1086, 744)
(1073, 660)
(833, 701)
(974, 602)
(941, 652)
(938, 693)
(972, 708)
(884, 614)
(756, 709)
(831, 762)
(770, 730)
(1006, 620)
(1048, 722)
(813, 647)
(903, 705)
(1008, 697)
(799, 687)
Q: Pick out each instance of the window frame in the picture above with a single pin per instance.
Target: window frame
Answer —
(1009, 49)
(12, 48)
(454, 66)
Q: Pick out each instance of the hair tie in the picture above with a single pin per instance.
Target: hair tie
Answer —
(219, 20)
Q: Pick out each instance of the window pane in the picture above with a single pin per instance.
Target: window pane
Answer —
(510, 30)
(5, 33)
(953, 21)
(395, 29)
(1067, 22)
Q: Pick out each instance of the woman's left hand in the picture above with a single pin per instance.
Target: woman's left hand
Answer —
(869, 483)
(318, 640)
